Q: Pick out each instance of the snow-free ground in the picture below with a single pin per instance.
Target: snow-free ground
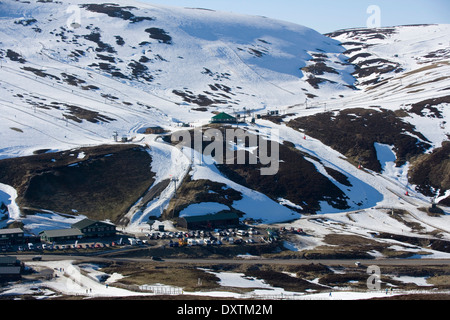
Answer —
(87, 280)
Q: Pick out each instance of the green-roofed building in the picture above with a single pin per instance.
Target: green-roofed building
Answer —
(209, 221)
(223, 118)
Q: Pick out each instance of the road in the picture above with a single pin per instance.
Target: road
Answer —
(328, 262)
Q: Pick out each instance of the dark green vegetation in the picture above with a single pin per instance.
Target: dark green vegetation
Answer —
(369, 64)
(99, 182)
(429, 107)
(160, 35)
(297, 179)
(295, 278)
(116, 11)
(198, 191)
(353, 133)
(431, 172)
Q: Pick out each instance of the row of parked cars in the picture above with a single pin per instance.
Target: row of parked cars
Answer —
(209, 242)
(216, 237)
(45, 246)
(202, 234)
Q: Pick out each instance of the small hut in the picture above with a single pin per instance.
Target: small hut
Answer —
(154, 130)
(223, 118)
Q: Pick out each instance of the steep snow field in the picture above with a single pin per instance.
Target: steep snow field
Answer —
(243, 62)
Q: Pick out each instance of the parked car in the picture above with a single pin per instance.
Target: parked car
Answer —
(156, 258)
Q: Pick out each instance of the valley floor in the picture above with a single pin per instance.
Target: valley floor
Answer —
(245, 279)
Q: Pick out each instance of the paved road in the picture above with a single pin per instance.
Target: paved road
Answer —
(330, 262)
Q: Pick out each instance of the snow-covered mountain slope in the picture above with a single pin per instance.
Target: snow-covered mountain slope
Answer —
(402, 67)
(75, 74)
(131, 63)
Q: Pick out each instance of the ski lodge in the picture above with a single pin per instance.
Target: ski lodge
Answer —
(85, 228)
(209, 221)
(11, 236)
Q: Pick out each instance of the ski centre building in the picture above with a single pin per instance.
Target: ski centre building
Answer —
(11, 236)
(85, 228)
(209, 221)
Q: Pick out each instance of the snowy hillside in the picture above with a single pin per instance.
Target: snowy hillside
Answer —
(134, 64)
(399, 68)
(75, 74)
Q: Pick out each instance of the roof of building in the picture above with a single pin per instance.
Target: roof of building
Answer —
(5, 260)
(10, 270)
(83, 223)
(11, 231)
(226, 215)
(86, 223)
(223, 116)
(68, 232)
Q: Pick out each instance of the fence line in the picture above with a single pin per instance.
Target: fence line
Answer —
(161, 290)
(312, 296)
